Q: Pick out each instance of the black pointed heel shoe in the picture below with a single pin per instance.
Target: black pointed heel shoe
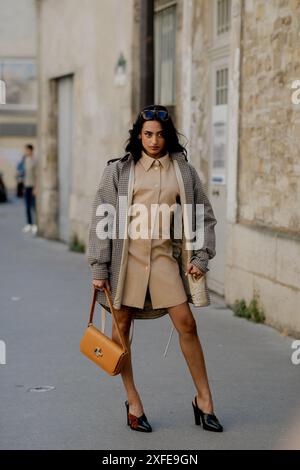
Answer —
(137, 423)
(209, 421)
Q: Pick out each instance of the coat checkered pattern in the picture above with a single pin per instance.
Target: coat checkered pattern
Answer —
(104, 256)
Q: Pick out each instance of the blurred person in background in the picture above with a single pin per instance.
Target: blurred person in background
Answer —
(20, 173)
(3, 192)
(29, 189)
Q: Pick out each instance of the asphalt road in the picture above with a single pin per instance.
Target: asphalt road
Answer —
(44, 300)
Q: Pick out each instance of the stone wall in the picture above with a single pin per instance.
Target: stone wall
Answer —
(193, 47)
(269, 173)
(264, 245)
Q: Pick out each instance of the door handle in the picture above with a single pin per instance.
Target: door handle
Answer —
(216, 192)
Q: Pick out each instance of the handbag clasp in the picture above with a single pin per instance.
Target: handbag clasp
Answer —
(98, 352)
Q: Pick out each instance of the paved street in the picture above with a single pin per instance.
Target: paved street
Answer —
(45, 295)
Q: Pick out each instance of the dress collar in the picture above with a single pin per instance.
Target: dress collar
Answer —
(148, 161)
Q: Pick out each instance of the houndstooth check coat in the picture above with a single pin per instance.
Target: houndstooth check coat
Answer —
(107, 257)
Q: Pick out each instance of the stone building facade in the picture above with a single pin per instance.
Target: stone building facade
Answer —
(262, 190)
(264, 239)
(231, 65)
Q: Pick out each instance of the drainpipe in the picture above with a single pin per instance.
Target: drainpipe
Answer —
(147, 53)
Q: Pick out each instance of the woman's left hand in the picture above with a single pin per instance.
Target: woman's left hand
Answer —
(191, 269)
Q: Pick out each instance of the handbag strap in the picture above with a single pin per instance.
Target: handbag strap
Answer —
(92, 309)
(103, 321)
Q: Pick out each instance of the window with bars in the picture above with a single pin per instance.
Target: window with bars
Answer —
(165, 54)
(221, 86)
(223, 12)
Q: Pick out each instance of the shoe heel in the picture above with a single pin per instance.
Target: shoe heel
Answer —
(197, 415)
(127, 410)
(209, 421)
(138, 424)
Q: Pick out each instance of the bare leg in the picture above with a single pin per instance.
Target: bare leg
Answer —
(124, 321)
(185, 324)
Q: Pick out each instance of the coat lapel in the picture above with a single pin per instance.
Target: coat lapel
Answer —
(185, 254)
(125, 189)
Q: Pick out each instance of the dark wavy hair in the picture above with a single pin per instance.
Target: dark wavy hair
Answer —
(171, 135)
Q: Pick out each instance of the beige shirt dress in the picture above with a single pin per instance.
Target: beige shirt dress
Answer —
(152, 269)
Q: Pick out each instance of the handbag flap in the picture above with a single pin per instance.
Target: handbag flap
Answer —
(100, 349)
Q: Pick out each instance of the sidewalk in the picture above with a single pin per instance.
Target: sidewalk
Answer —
(44, 297)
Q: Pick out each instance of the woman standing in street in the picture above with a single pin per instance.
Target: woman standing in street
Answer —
(149, 277)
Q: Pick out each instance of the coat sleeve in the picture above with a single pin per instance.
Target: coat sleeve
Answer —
(200, 257)
(99, 250)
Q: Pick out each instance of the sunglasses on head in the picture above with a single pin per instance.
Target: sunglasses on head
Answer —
(150, 114)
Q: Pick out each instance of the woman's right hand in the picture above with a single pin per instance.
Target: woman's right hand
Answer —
(101, 283)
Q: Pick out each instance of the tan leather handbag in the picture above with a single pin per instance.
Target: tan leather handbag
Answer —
(101, 349)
